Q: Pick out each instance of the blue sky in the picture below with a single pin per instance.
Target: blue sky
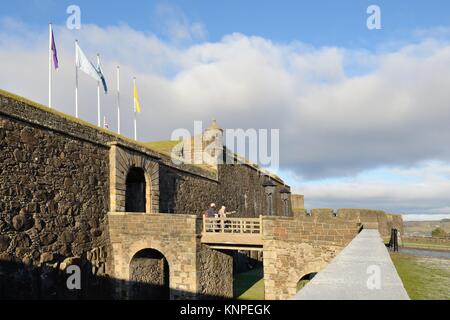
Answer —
(362, 114)
(320, 23)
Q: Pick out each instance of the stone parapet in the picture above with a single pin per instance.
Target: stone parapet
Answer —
(369, 219)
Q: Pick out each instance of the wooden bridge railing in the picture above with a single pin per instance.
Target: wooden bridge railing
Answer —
(232, 226)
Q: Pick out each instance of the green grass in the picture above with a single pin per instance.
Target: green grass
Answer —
(162, 146)
(73, 119)
(424, 278)
(301, 284)
(249, 285)
(421, 245)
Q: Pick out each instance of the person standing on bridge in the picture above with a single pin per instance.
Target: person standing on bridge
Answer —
(223, 212)
(211, 212)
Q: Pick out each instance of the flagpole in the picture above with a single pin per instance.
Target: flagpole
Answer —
(98, 94)
(76, 79)
(50, 65)
(135, 125)
(135, 120)
(118, 99)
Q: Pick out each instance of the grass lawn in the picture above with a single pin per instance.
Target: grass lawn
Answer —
(249, 285)
(419, 245)
(424, 278)
(301, 284)
(165, 147)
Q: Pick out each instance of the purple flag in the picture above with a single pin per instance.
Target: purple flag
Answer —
(55, 53)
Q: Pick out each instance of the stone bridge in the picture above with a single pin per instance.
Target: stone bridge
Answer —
(362, 271)
(197, 252)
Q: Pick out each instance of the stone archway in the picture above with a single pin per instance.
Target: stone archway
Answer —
(149, 276)
(176, 236)
(123, 162)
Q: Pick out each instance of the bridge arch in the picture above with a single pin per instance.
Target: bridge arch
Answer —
(282, 272)
(304, 280)
(142, 245)
(149, 276)
(305, 271)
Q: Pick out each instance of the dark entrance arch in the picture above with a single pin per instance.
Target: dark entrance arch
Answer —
(135, 200)
(149, 276)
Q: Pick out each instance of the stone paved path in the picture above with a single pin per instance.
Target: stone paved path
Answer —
(352, 275)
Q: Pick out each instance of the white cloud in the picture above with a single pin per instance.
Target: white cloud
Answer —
(174, 24)
(422, 189)
(340, 112)
(433, 33)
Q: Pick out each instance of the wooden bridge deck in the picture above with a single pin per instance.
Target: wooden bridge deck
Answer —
(233, 233)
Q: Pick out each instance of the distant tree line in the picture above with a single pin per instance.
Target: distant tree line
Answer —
(439, 233)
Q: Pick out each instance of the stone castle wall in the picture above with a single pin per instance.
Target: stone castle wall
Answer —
(396, 221)
(59, 178)
(298, 202)
(54, 196)
(370, 219)
(239, 188)
(215, 273)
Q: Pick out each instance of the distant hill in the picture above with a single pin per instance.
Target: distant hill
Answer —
(424, 228)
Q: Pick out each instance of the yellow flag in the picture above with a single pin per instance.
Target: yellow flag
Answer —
(137, 106)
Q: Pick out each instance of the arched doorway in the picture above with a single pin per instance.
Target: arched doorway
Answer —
(149, 276)
(135, 200)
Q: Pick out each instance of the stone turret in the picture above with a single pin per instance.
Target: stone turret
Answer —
(208, 147)
(213, 144)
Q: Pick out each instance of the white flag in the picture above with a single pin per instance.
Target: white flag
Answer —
(83, 63)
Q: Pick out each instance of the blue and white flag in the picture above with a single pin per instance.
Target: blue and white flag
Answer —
(83, 63)
(102, 77)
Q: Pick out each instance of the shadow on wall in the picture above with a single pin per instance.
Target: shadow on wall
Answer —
(135, 191)
(246, 261)
(18, 281)
(168, 187)
(21, 282)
